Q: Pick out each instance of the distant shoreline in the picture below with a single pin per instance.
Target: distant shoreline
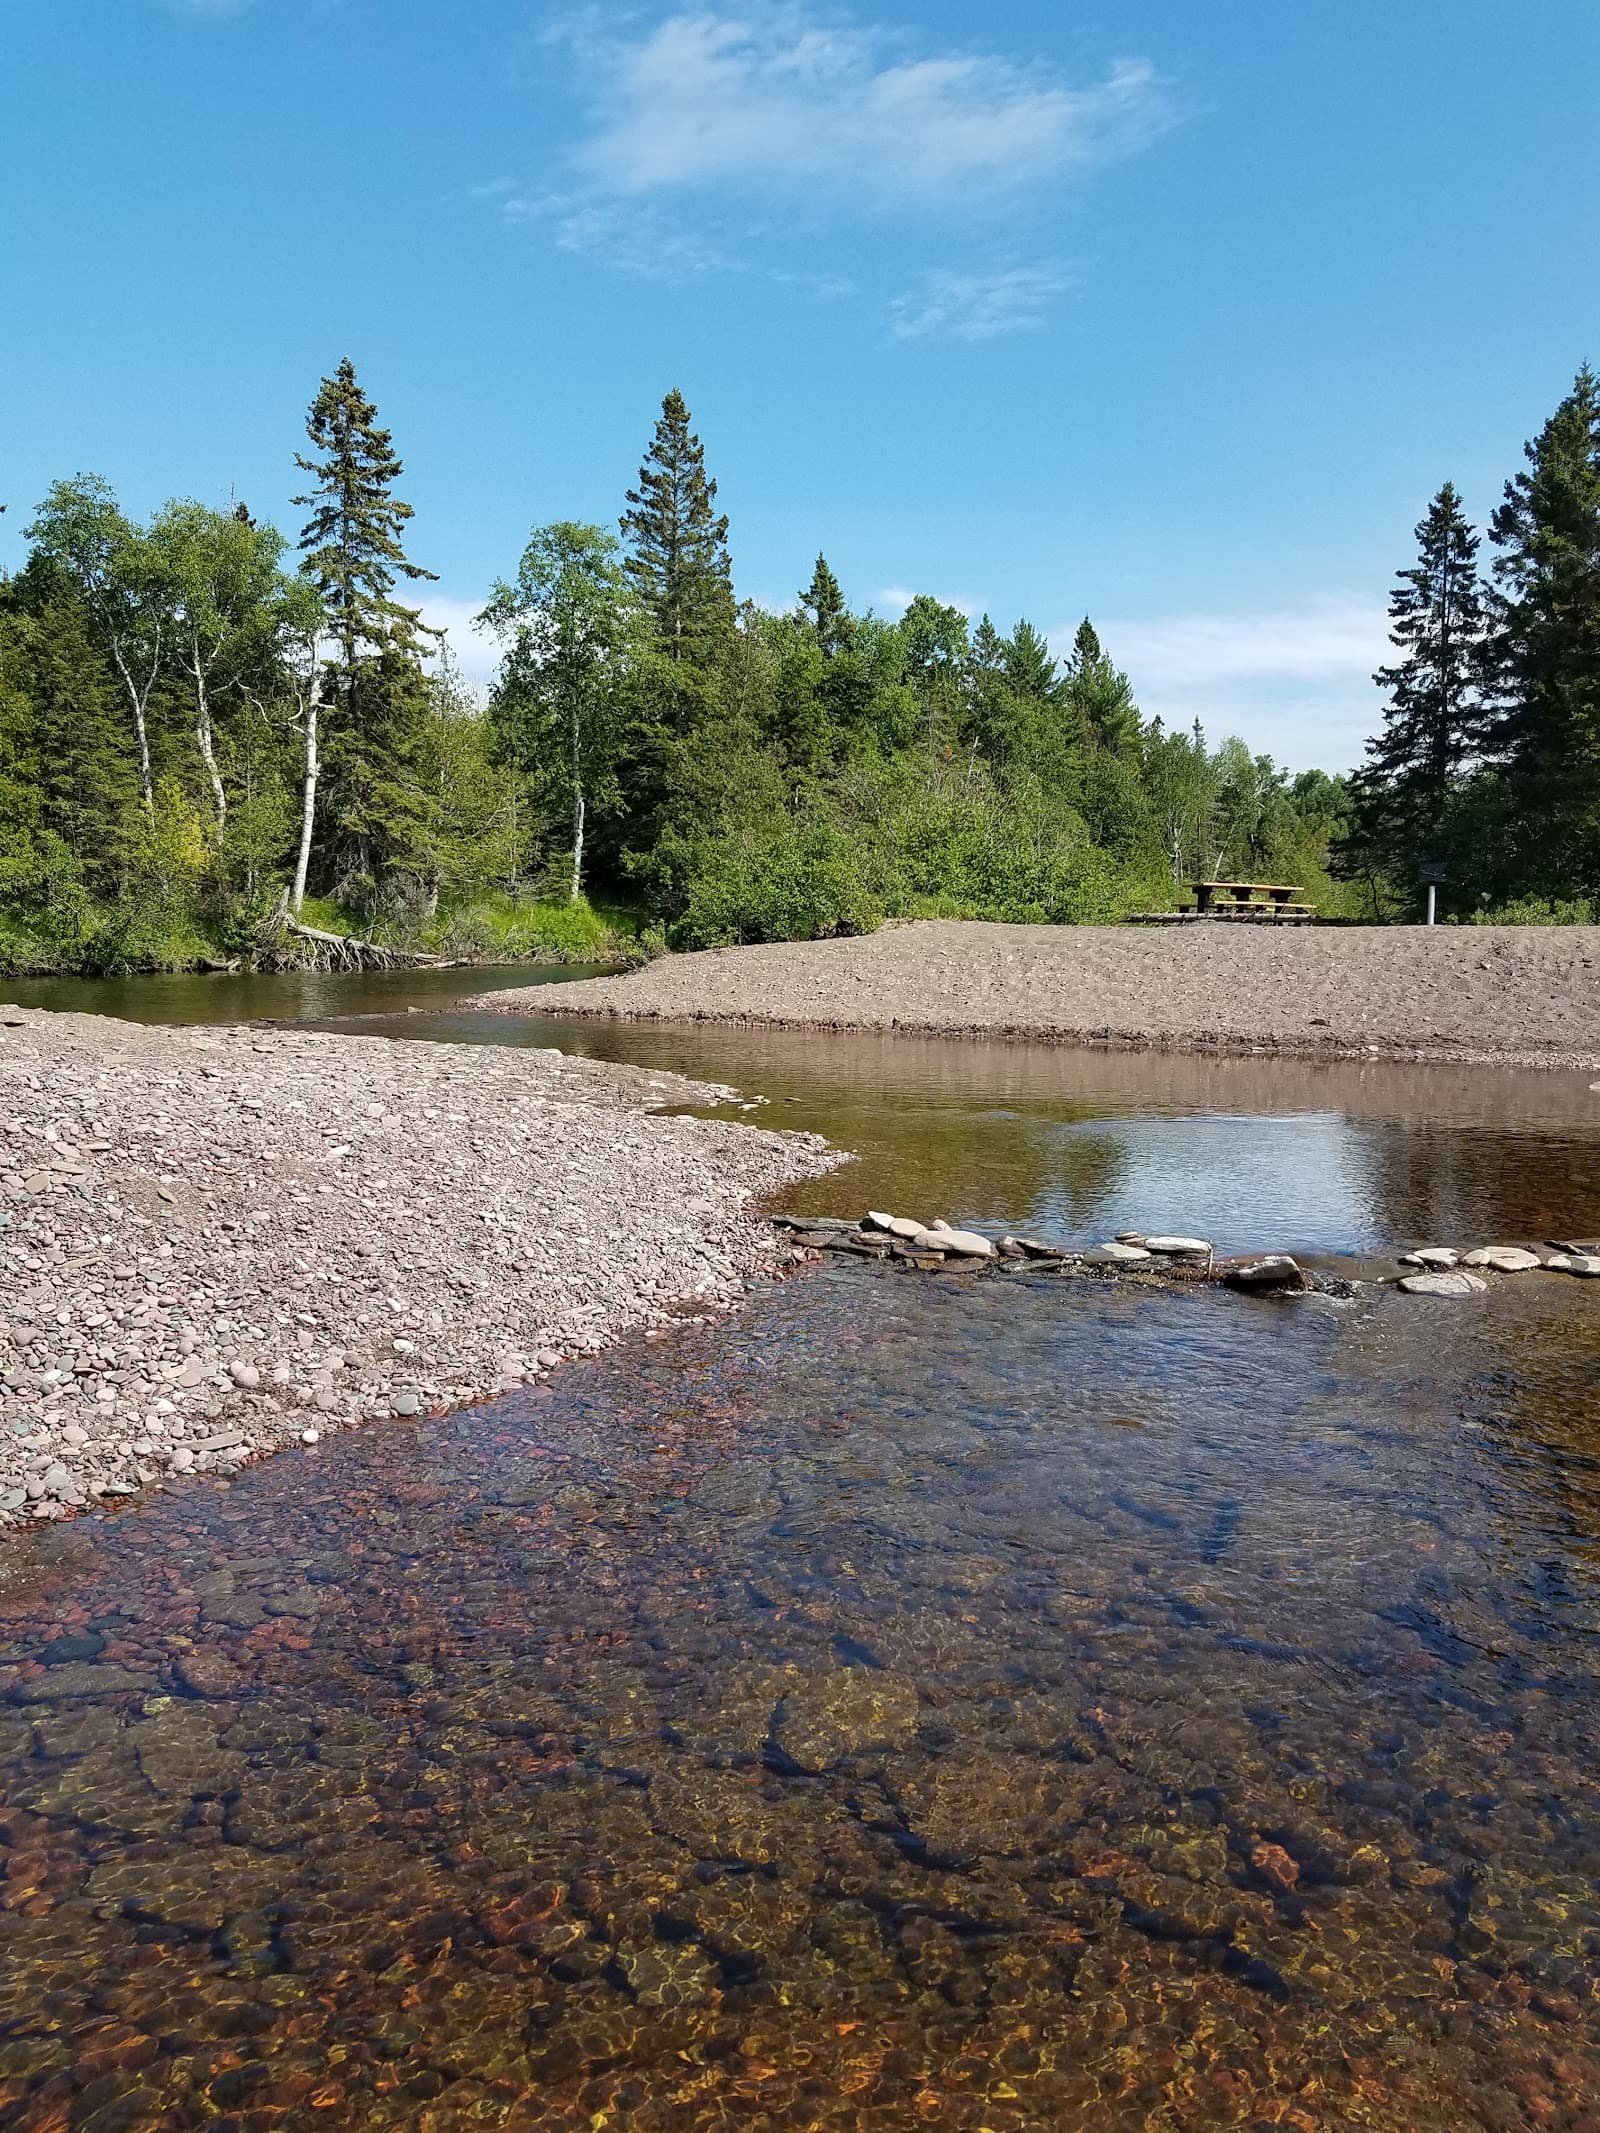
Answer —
(1526, 996)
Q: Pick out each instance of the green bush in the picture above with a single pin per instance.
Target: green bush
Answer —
(1539, 911)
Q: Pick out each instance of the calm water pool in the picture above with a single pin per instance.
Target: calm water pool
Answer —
(1006, 1704)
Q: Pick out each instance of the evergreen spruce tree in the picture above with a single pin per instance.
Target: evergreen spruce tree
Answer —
(822, 603)
(374, 723)
(81, 760)
(1101, 695)
(1031, 668)
(1547, 651)
(1433, 718)
(678, 544)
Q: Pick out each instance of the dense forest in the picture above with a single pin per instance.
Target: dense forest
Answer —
(214, 749)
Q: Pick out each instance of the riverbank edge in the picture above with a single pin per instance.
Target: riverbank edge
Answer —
(1490, 996)
(198, 1274)
(1222, 1045)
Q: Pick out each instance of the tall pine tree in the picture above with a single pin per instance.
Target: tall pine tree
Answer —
(822, 604)
(374, 722)
(1547, 650)
(677, 544)
(1433, 720)
(1101, 694)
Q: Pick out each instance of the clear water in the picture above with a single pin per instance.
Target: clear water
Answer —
(981, 1702)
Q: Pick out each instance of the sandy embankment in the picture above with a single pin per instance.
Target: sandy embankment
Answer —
(1526, 995)
(212, 1241)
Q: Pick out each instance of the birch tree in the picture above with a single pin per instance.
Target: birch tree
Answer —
(570, 624)
(222, 578)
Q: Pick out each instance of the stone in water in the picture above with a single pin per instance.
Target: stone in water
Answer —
(1176, 1247)
(1504, 1258)
(1445, 1284)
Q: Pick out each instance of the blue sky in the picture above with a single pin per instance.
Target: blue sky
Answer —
(1173, 314)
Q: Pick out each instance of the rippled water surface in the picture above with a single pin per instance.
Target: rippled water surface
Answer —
(966, 1700)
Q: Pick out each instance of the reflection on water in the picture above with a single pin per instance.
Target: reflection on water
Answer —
(1249, 1152)
(1252, 1152)
(997, 1704)
(297, 995)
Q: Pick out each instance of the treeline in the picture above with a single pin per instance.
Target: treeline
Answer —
(205, 737)
(1487, 768)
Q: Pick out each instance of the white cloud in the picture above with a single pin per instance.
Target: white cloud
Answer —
(976, 307)
(1293, 682)
(762, 96)
(893, 601)
(474, 650)
(734, 134)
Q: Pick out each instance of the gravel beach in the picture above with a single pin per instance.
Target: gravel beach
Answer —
(216, 1242)
(1518, 995)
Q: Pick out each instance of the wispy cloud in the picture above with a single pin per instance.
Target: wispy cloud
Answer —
(754, 135)
(1295, 682)
(763, 97)
(977, 306)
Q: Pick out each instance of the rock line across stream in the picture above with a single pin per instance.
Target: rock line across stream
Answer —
(217, 1243)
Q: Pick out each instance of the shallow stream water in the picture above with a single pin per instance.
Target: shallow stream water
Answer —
(982, 1702)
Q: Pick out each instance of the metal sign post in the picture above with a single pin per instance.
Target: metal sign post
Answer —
(1432, 872)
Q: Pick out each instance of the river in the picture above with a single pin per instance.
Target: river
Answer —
(918, 1703)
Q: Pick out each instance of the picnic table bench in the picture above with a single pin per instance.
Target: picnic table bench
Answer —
(1271, 903)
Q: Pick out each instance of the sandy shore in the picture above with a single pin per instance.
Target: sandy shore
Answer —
(1525, 995)
(213, 1242)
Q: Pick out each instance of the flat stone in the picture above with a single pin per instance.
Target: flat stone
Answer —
(406, 1402)
(1117, 1255)
(84, 1679)
(1504, 1259)
(1586, 1263)
(1438, 1256)
(966, 1243)
(1177, 1247)
(829, 1715)
(1445, 1284)
(209, 1674)
(664, 1974)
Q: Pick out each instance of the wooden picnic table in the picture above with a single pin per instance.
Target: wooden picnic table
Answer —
(1237, 893)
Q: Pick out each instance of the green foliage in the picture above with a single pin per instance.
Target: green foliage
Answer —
(678, 544)
(1489, 761)
(1541, 911)
(352, 541)
(572, 630)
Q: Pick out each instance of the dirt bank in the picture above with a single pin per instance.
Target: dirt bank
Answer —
(1519, 994)
(214, 1241)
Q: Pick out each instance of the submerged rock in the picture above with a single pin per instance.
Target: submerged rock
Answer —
(1445, 1284)
(827, 1716)
(1117, 1255)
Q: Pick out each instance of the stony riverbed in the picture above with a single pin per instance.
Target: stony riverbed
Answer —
(215, 1243)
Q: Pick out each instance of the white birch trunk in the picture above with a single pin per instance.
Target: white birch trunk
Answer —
(139, 698)
(577, 813)
(308, 802)
(202, 734)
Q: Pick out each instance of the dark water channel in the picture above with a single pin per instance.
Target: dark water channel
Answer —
(926, 1701)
